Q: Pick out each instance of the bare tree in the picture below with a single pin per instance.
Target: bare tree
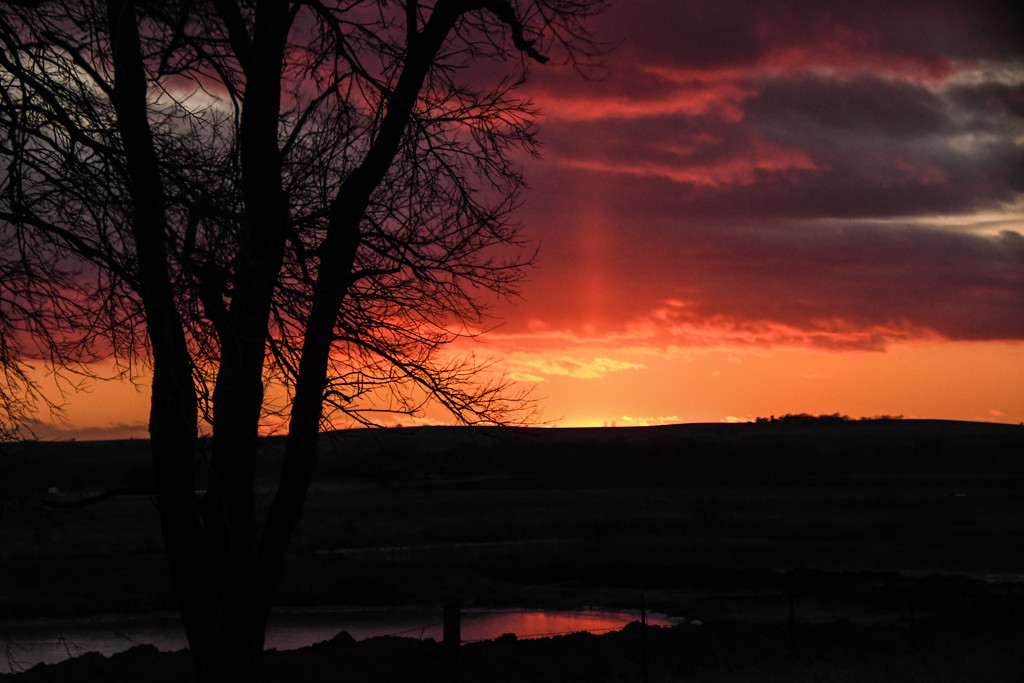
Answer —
(317, 194)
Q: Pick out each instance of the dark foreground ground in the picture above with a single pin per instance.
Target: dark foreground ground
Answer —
(838, 552)
(709, 653)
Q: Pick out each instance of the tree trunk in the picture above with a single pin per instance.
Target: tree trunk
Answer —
(338, 254)
(173, 412)
(241, 592)
(224, 573)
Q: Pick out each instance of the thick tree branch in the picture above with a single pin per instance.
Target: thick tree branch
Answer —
(504, 11)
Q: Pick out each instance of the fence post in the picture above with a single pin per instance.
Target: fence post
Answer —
(643, 637)
(452, 637)
(792, 616)
(913, 617)
(1010, 616)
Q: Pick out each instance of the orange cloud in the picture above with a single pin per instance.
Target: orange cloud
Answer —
(649, 421)
(760, 159)
(695, 98)
(833, 49)
(537, 368)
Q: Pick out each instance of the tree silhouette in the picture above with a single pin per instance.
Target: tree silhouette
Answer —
(311, 194)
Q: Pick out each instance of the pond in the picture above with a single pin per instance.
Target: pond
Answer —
(24, 644)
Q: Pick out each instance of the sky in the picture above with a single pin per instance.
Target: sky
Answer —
(765, 208)
(776, 207)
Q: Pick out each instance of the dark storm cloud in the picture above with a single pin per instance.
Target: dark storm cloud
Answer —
(712, 33)
(868, 146)
(989, 103)
(900, 148)
(810, 167)
(904, 281)
(841, 283)
(861, 107)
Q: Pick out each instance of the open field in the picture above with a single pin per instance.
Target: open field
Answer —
(842, 545)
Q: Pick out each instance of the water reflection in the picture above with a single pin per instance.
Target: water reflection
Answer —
(31, 642)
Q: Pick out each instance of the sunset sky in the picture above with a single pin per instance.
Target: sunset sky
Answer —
(762, 208)
(781, 206)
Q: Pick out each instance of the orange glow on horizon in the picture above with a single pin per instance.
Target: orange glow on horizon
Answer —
(632, 386)
(964, 381)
